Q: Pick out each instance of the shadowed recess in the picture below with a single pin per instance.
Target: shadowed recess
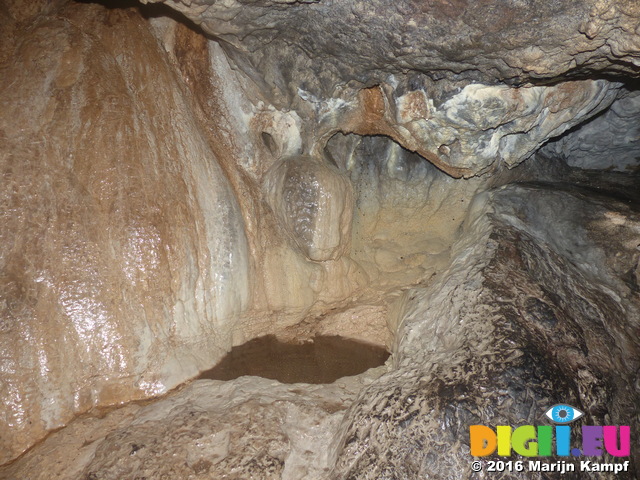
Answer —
(322, 360)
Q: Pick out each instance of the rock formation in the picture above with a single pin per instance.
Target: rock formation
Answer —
(121, 232)
(454, 180)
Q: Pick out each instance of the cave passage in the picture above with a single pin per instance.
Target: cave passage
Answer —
(322, 360)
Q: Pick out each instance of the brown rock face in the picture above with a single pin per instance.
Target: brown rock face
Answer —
(123, 245)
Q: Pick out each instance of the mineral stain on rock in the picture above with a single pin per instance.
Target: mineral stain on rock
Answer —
(322, 360)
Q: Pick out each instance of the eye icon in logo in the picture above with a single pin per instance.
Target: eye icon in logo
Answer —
(563, 413)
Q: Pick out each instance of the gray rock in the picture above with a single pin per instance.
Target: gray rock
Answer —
(313, 201)
(322, 45)
(531, 312)
(534, 309)
(442, 69)
(610, 141)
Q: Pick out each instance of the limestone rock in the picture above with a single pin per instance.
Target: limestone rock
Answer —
(314, 204)
(328, 44)
(247, 428)
(124, 254)
(521, 320)
(480, 128)
(407, 213)
(610, 141)
(437, 65)
(167, 195)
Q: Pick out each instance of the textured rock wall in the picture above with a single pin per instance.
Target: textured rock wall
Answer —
(283, 42)
(478, 129)
(609, 141)
(407, 212)
(140, 225)
(425, 75)
(522, 319)
(124, 256)
(314, 204)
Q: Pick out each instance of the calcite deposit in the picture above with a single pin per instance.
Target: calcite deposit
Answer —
(523, 318)
(454, 181)
(429, 69)
(120, 233)
(314, 204)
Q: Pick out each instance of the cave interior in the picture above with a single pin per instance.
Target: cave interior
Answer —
(316, 239)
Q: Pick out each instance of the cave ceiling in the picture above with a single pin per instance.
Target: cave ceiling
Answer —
(454, 81)
(320, 46)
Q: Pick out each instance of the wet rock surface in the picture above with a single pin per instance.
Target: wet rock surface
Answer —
(120, 233)
(521, 319)
(391, 172)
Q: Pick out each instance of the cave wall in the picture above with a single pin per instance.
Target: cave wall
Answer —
(520, 319)
(174, 186)
(609, 141)
(283, 44)
(124, 250)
